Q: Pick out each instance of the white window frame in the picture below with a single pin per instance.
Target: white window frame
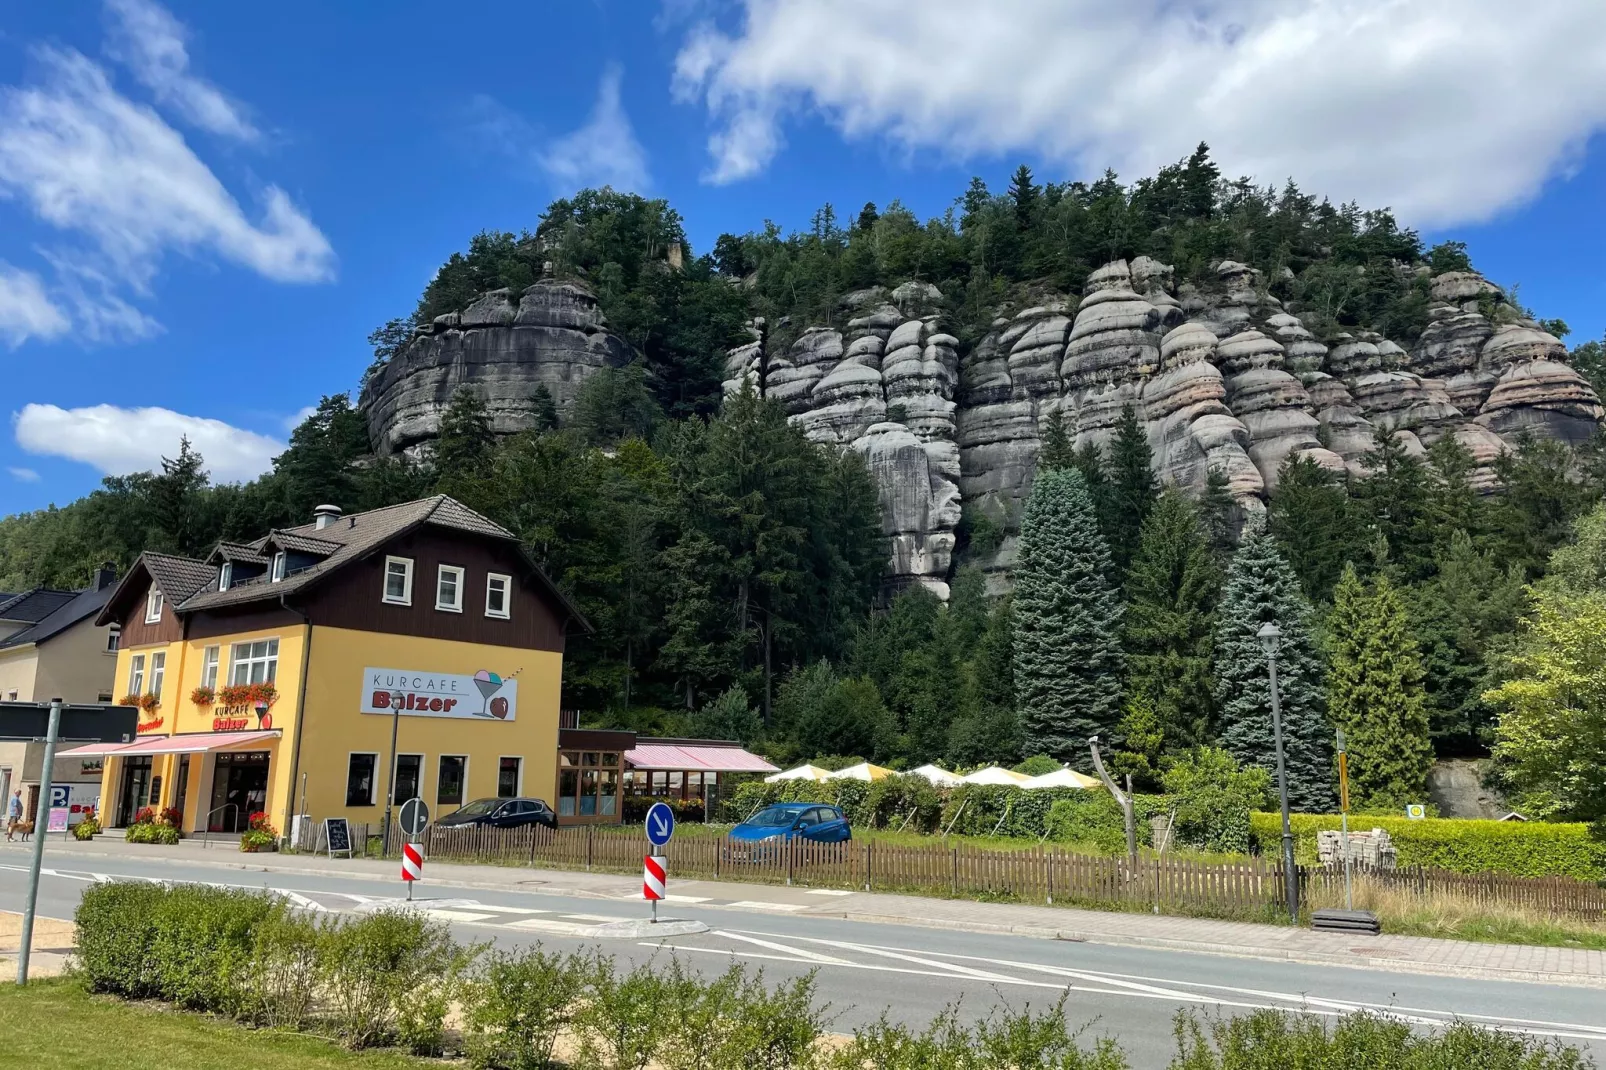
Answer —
(271, 660)
(211, 658)
(507, 595)
(136, 674)
(158, 672)
(373, 783)
(114, 638)
(423, 774)
(406, 598)
(458, 573)
(225, 576)
(518, 787)
(465, 798)
(153, 606)
(278, 567)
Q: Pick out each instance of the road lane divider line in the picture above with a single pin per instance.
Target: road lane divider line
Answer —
(813, 956)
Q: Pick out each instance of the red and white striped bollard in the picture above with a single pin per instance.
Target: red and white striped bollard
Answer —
(412, 865)
(655, 878)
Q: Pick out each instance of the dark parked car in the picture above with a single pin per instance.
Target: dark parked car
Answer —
(785, 822)
(501, 814)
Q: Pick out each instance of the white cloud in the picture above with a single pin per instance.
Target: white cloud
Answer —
(603, 152)
(88, 159)
(147, 39)
(26, 310)
(120, 441)
(24, 475)
(1448, 110)
(297, 418)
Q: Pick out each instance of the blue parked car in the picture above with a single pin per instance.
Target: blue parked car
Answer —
(783, 823)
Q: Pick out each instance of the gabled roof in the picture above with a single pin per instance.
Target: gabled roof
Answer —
(235, 551)
(35, 605)
(83, 604)
(353, 538)
(176, 577)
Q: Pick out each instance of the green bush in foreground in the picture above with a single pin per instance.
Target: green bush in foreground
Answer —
(1272, 1040)
(1520, 848)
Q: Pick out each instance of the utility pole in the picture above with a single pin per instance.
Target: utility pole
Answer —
(51, 735)
(1270, 636)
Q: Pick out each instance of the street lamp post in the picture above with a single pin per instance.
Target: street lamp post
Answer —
(396, 700)
(1270, 635)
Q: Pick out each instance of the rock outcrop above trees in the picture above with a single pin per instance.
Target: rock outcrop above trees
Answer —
(504, 346)
(1222, 376)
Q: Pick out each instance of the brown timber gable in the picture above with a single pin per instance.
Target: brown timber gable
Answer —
(352, 597)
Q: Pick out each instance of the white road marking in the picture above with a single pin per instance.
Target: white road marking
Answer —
(827, 891)
(594, 917)
(455, 915)
(686, 898)
(759, 904)
(812, 956)
(551, 927)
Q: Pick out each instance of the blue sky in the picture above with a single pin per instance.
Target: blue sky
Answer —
(204, 209)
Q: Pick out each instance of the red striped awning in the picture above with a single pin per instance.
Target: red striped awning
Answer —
(185, 743)
(691, 758)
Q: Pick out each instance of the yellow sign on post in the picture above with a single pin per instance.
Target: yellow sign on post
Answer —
(1343, 782)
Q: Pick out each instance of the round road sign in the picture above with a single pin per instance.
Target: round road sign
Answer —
(414, 817)
(660, 824)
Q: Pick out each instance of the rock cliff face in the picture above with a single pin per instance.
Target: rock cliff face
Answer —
(1222, 376)
(504, 345)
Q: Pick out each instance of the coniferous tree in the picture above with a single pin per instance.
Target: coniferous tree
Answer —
(543, 409)
(177, 503)
(1315, 525)
(1056, 451)
(1171, 593)
(1067, 621)
(1374, 693)
(1218, 513)
(1261, 589)
(1089, 461)
(1393, 499)
(1132, 488)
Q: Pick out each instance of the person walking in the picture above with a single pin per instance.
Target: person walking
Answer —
(13, 813)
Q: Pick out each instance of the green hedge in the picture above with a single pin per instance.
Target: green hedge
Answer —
(1520, 848)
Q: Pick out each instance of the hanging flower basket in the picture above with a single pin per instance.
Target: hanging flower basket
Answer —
(203, 696)
(130, 699)
(150, 703)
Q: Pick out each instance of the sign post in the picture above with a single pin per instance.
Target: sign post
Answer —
(23, 950)
(414, 819)
(655, 876)
(1343, 811)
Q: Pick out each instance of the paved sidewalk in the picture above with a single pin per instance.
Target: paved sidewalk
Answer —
(53, 941)
(1575, 966)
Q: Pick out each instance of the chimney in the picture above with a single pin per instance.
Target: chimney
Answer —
(104, 576)
(324, 515)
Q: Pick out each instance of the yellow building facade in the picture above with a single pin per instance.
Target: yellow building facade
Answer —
(280, 696)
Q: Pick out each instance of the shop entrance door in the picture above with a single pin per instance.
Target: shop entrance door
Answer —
(136, 789)
(239, 789)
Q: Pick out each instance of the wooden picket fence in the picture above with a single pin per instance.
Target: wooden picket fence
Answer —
(1043, 874)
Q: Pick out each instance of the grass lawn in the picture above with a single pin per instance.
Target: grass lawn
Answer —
(57, 1024)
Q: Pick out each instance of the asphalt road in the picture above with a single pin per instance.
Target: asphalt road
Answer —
(910, 973)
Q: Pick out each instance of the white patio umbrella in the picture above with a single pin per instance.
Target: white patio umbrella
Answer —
(862, 771)
(1063, 778)
(938, 775)
(802, 772)
(995, 774)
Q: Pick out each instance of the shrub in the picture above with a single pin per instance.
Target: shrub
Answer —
(261, 835)
(1213, 797)
(202, 944)
(85, 829)
(150, 833)
(517, 1005)
(624, 1020)
(776, 1029)
(1092, 818)
(116, 925)
(1520, 848)
(1037, 765)
(383, 974)
(1007, 1038)
(279, 980)
(1273, 1038)
(707, 1017)
(635, 808)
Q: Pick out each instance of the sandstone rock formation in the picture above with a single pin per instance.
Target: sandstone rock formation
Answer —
(1222, 375)
(503, 345)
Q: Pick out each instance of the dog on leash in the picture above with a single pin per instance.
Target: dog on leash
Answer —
(23, 829)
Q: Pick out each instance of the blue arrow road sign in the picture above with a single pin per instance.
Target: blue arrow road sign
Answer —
(660, 824)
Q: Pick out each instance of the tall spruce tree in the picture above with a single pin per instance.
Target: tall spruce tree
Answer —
(1171, 595)
(1316, 525)
(1133, 488)
(1056, 451)
(1067, 623)
(1262, 588)
(1374, 693)
(464, 447)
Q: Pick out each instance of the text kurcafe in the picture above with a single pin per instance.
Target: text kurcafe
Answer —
(432, 703)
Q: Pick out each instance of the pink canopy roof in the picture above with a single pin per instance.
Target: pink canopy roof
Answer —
(188, 743)
(691, 757)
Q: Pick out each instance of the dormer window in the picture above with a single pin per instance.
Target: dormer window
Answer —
(225, 576)
(278, 566)
(153, 606)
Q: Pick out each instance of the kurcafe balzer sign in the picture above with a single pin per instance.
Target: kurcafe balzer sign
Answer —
(483, 695)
